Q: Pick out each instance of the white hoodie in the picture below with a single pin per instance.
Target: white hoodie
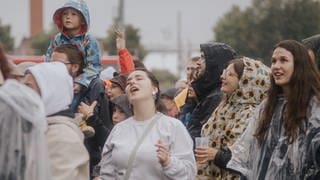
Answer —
(68, 156)
(23, 152)
(56, 85)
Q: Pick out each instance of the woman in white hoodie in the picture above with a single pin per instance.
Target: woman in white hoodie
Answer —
(68, 157)
(148, 145)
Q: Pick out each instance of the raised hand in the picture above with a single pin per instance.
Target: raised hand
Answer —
(87, 110)
(120, 41)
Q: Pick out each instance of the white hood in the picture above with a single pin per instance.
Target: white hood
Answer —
(107, 73)
(56, 85)
(20, 104)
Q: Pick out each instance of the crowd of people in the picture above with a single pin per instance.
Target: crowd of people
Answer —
(64, 119)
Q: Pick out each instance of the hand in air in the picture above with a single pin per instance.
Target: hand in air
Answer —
(87, 110)
(120, 41)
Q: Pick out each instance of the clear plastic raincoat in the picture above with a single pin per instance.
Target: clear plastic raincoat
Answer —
(275, 158)
(23, 148)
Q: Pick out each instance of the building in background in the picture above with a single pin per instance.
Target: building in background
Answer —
(36, 27)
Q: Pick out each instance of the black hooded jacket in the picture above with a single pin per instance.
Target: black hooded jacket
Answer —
(101, 120)
(207, 86)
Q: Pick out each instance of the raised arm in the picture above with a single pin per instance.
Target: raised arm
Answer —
(125, 58)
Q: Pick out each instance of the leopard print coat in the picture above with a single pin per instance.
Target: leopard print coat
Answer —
(230, 118)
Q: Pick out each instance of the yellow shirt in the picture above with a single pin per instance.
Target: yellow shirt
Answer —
(180, 99)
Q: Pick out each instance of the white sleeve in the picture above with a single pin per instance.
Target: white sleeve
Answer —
(107, 170)
(182, 165)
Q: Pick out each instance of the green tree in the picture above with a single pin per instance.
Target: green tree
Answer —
(5, 37)
(254, 31)
(132, 41)
(41, 41)
(166, 79)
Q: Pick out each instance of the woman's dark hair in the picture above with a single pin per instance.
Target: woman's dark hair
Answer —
(238, 66)
(139, 64)
(154, 81)
(304, 84)
(4, 64)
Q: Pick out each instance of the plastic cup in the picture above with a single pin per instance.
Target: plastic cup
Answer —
(202, 142)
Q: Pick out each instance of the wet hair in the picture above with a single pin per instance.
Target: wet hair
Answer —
(4, 64)
(138, 64)
(304, 84)
(73, 54)
(238, 66)
(313, 43)
(154, 81)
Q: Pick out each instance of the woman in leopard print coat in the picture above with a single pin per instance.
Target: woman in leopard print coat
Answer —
(244, 84)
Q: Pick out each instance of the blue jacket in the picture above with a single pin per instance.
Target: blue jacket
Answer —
(84, 41)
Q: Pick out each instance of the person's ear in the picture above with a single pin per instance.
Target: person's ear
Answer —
(154, 95)
(75, 68)
(155, 91)
(1, 78)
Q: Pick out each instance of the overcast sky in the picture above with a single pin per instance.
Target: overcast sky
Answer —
(156, 19)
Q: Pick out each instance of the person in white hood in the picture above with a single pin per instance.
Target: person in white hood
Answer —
(23, 147)
(68, 156)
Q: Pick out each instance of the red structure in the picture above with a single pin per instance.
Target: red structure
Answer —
(105, 61)
(36, 17)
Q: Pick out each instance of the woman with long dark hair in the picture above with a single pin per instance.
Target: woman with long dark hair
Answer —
(283, 138)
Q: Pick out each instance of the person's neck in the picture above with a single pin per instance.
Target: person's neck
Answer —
(72, 32)
(286, 91)
(144, 110)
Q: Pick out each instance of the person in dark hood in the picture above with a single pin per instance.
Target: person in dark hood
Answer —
(214, 58)
(313, 45)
